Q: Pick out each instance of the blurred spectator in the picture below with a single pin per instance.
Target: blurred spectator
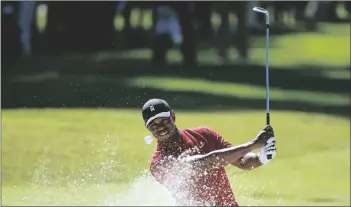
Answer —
(310, 14)
(25, 21)
(167, 32)
(174, 21)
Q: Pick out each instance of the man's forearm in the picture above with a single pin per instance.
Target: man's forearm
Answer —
(249, 162)
(222, 157)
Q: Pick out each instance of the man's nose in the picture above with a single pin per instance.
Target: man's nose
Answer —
(159, 124)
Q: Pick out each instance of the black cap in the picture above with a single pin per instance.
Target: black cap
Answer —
(155, 108)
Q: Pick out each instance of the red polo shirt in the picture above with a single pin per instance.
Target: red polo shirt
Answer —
(209, 187)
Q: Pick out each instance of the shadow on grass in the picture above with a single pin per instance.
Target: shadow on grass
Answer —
(71, 89)
(304, 77)
(79, 93)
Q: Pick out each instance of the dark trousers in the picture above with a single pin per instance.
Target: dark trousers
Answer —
(161, 44)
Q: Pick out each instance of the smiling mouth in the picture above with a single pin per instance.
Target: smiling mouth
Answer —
(163, 132)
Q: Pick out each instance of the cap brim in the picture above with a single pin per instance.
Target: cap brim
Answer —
(159, 115)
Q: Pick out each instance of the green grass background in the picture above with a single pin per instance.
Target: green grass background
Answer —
(84, 156)
(53, 149)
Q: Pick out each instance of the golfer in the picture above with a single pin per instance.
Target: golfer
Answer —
(190, 162)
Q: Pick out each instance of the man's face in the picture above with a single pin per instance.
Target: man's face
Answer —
(162, 128)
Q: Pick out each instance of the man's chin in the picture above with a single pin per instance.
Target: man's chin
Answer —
(164, 138)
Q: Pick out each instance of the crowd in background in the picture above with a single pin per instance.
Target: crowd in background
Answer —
(89, 26)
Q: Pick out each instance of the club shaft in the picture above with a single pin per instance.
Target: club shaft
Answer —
(267, 75)
(262, 10)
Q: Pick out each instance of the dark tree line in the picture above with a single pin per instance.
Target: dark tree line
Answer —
(89, 26)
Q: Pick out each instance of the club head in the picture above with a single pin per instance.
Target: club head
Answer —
(261, 10)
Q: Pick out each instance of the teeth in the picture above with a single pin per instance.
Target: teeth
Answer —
(164, 132)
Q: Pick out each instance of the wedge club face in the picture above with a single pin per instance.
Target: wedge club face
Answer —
(263, 11)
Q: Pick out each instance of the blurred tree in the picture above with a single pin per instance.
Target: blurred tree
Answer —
(223, 36)
(348, 7)
(185, 11)
(84, 26)
(243, 32)
(202, 12)
(327, 11)
(10, 42)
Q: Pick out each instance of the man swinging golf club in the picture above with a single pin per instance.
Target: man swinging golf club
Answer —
(205, 151)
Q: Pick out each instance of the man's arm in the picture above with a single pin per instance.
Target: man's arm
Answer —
(223, 157)
(240, 156)
(250, 161)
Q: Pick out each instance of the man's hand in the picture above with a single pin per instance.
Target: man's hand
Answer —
(268, 152)
(266, 141)
(263, 136)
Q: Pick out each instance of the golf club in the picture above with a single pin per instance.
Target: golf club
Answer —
(264, 11)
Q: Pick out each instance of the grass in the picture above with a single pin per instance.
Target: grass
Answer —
(50, 156)
(236, 89)
(329, 48)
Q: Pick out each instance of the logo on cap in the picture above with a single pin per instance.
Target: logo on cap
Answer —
(152, 108)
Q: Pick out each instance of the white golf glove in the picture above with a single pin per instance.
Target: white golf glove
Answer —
(268, 152)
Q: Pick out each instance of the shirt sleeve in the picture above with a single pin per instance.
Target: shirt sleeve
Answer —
(219, 141)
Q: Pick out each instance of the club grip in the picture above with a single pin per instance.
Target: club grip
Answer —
(268, 119)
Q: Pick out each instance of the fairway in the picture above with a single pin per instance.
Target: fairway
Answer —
(93, 157)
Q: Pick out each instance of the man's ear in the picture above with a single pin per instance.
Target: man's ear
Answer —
(173, 116)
